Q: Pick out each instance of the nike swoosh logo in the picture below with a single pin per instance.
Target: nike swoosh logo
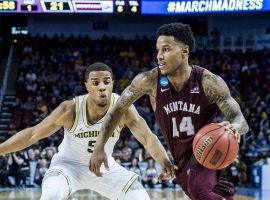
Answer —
(163, 90)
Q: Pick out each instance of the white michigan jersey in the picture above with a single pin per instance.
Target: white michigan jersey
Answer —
(72, 159)
(78, 143)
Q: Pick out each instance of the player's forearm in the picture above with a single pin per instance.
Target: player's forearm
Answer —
(241, 124)
(108, 126)
(157, 151)
(17, 142)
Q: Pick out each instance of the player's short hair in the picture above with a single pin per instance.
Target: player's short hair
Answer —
(182, 32)
(98, 66)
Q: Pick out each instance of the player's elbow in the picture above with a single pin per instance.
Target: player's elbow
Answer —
(34, 136)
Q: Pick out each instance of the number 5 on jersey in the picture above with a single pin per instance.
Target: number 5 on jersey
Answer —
(91, 145)
(185, 126)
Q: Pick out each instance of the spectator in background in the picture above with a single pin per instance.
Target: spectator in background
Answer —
(242, 169)
(31, 87)
(29, 104)
(17, 105)
(31, 76)
(126, 156)
(139, 154)
(11, 129)
(41, 169)
(264, 123)
(33, 161)
(15, 163)
(150, 177)
(134, 167)
(144, 110)
(3, 171)
(42, 109)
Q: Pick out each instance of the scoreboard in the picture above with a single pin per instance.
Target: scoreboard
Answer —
(163, 7)
(70, 6)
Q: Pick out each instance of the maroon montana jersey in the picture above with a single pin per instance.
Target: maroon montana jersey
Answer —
(181, 114)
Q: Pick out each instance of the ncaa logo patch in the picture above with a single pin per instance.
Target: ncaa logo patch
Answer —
(164, 81)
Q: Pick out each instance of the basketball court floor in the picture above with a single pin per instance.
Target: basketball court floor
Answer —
(155, 194)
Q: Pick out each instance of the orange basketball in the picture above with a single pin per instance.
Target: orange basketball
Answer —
(215, 147)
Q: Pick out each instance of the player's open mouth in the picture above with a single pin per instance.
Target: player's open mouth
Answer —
(162, 65)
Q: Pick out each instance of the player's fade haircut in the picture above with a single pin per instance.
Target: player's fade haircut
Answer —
(98, 66)
(182, 32)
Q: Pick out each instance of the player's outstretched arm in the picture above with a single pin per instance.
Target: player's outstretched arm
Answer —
(139, 86)
(218, 92)
(149, 140)
(45, 128)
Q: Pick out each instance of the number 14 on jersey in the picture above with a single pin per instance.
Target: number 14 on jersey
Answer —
(184, 126)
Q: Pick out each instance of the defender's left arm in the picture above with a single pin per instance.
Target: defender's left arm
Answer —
(148, 139)
(218, 92)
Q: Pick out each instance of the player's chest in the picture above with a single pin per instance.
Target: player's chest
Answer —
(83, 133)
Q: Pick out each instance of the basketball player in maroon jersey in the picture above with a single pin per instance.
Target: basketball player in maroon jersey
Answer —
(184, 98)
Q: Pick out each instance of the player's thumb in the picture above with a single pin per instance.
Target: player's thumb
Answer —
(106, 164)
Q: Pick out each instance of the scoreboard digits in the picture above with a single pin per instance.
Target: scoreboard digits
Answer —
(29, 7)
(8, 5)
(57, 6)
(127, 6)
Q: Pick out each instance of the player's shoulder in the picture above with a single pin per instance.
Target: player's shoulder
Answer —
(67, 106)
(147, 78)
(63, 114)
(210, 78)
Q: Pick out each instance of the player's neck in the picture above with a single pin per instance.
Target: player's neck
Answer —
(95, 112)
(180, 77)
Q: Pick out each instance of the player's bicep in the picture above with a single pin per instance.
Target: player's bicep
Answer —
(52, 123)
(218, 92)
(215, 88)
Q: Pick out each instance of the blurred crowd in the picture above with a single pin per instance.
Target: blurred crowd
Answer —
(52, 70)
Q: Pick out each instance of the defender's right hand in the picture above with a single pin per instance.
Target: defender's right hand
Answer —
(97, 158)
(167, 172)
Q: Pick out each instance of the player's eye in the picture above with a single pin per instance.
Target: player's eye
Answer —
(166, 49)
(107, 82)
(95, 83)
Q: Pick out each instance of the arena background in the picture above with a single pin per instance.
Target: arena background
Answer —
(46, 45)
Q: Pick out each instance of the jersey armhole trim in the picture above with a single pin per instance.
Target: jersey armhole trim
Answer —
(74, 126)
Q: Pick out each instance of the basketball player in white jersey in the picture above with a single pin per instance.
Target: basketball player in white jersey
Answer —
(82, 118)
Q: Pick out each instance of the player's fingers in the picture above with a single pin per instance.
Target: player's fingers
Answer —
(237, 136)
(175, 168)
(97, 171)
(106, 164)
(170, 171)
(90, 166)
(161, 177)
(224, 123)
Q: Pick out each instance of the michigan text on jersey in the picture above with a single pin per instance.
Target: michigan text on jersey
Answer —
(89, 134)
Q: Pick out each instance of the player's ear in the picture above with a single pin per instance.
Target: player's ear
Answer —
(86, 86)
(185, 50)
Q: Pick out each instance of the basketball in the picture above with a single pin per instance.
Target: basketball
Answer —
(214, 146)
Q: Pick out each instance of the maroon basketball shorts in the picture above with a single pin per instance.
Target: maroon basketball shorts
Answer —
(200, 183)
